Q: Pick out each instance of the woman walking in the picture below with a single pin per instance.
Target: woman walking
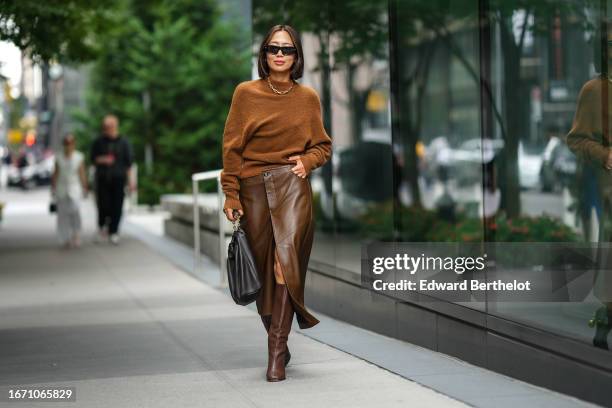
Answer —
(68, 184)
(273, 138)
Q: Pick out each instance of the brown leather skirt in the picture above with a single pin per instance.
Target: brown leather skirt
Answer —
(278, 215)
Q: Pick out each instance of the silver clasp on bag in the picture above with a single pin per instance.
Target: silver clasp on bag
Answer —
(236, 222)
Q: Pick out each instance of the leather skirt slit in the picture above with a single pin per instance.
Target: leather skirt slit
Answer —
(278, 216)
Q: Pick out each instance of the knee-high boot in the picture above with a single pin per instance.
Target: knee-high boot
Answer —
(266, 322)
(280, 326)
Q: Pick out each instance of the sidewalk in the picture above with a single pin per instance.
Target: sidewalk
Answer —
(128, 327)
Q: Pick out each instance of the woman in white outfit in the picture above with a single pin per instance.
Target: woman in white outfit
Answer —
(68, 184)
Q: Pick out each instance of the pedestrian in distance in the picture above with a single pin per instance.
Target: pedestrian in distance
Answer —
(111, 154)
(273, 138)
(68, 185)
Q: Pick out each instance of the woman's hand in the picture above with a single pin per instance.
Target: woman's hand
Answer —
(608, 163)
(229, 213)
(299, 169)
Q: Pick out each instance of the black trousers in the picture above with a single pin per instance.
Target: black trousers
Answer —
(109, 197)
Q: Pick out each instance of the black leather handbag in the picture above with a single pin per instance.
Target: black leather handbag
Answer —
(242, 276)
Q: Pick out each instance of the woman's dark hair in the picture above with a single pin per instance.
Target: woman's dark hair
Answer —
(297, 69)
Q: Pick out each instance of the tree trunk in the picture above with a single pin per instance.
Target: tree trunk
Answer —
(515, 97)
(414, 117)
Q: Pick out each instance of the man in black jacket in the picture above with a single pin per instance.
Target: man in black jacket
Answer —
(112, 155)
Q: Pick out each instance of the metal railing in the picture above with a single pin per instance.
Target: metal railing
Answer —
(195, 179)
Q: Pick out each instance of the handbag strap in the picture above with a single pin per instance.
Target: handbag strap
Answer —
(236, 222)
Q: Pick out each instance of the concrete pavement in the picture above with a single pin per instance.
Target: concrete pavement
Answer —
(128, 328)
(133, 326)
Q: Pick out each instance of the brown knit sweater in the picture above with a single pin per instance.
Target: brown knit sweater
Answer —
(263, 129)
(586, 138)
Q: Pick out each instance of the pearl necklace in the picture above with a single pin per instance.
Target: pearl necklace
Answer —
(276, 90)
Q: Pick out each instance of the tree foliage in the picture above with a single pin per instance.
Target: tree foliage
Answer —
(65, 30)
(168, 72)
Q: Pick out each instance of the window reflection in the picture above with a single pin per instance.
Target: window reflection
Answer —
(549, 115)
(589, 139)
(361, 125)
(440, 189)
(499, 134)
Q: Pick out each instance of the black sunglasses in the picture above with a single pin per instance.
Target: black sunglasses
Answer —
(273, 49)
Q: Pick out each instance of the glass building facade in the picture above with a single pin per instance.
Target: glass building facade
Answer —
(466, 121)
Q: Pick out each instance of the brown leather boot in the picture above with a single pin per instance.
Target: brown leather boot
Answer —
(266, 322)
(280, 326)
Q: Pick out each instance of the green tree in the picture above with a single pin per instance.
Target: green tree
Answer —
(65, 30)
(168, 71)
